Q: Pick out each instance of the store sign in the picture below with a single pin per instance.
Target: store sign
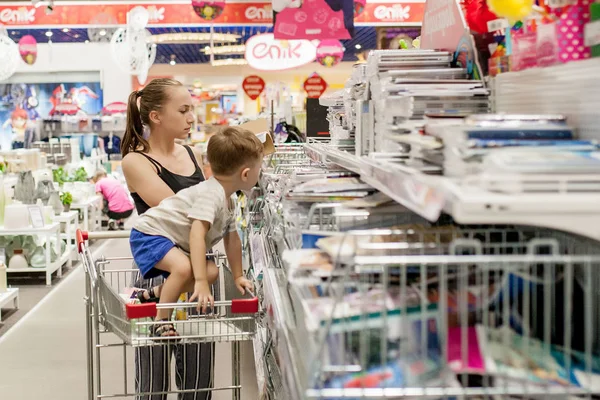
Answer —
(443, 25)
(115, 108)
(253, 86)
(315, 86)
(179, 13)
(28, 49)
(265, 53)
(392, 13)
(259, 13)
(172, 13)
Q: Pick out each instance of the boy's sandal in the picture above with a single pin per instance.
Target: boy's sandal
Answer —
(152, 297)
(164, 329)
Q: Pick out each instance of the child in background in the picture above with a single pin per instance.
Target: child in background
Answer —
(172, 238)
(117, 204)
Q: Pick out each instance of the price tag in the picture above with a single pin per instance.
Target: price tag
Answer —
(592, 33)
(497, 24)
(559, 3)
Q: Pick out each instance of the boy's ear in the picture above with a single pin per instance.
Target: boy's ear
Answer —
(245, 173)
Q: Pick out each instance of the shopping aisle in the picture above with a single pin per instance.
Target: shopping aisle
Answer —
(44, 354)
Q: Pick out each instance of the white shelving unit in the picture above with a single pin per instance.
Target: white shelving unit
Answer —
(8, 297)
(51, 267)
(91, 210)
(470, 201)
(70, 219)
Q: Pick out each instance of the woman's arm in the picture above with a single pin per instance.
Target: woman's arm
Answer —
(142, 179)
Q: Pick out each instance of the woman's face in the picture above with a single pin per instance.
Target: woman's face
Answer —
(177, 114)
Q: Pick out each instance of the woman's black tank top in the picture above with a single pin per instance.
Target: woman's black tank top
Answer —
(174, 181)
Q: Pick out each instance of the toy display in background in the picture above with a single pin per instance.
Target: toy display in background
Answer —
(208, 10)
(531, 33)
(330, 52)
(22, 104)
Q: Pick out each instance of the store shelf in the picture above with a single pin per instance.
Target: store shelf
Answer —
(10, 296)
(29, 230)
(48, 270)
(556, 203)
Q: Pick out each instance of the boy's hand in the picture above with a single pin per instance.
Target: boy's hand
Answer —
(244, 285)
(204, 296)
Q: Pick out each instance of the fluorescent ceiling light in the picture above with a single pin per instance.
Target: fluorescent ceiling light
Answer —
(233, 49)
(229, 62)
(191, 37)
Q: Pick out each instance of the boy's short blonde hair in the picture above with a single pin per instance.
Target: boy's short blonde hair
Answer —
(231, 149)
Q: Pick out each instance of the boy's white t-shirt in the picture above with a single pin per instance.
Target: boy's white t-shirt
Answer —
(174, 216)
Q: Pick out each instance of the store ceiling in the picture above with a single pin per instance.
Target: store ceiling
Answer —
(365, 38)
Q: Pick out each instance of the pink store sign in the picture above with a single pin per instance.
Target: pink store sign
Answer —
(265, 53)
(314, 20)
(443, 25)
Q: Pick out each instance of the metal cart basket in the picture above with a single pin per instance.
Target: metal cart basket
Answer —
(111, 309)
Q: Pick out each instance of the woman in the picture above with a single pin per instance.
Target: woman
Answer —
(155, 167)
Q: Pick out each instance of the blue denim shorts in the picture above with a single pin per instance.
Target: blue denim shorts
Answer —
(147, 251)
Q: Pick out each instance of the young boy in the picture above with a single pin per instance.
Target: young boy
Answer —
(117, 204)
(194, 220)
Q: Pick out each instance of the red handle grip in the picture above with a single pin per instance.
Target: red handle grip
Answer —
(244, 306)
(81, 237)
(135, 311)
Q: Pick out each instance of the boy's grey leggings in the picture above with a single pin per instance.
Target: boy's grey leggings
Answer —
(194, 363)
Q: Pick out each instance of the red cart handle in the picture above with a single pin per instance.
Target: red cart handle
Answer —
(244, 306)
(81, 237)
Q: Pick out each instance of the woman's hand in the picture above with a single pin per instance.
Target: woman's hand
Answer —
(203, 294)
(244, 285)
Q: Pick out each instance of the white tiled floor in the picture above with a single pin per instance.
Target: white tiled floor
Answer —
(44, 355)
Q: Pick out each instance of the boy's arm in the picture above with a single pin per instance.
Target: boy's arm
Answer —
(198, 249)
(233, 249)
(202, 291)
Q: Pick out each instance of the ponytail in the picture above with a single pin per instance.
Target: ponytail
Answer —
(134, 132)
(151, 98)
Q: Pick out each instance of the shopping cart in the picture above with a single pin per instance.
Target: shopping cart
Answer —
(110, 310)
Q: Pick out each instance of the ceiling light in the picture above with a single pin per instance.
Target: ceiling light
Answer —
(76, 36)
(87, 41)
(172, 62)
(358, 47)
(49, 33)
(191, 37)
(229, 62)
(66, 30)
(227, 49)
(102, 32)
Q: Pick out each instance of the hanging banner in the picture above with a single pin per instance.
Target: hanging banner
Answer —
(315, 86)
(330, 53)
(208, 10)
(316, 19)
(265, 53)
(166, 13)
(28, 49)
(179, 13)
(253, 86)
